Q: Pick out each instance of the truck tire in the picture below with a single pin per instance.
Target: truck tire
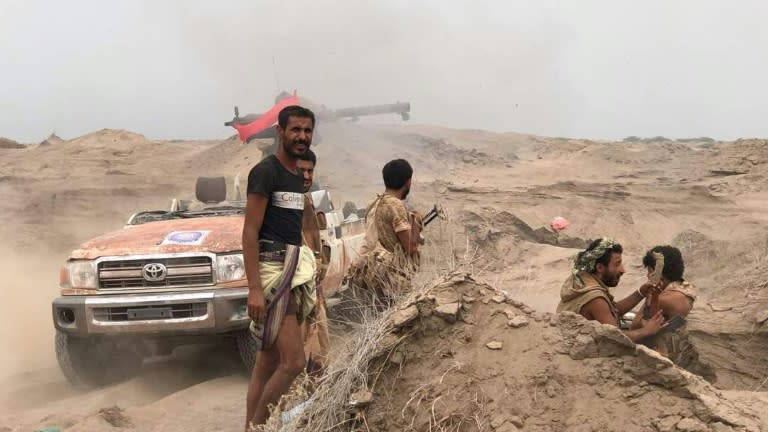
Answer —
(247, 349)
(89, 364)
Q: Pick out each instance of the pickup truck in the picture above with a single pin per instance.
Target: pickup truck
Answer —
(170, 278)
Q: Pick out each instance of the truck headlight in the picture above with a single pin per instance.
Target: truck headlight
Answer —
(79, 274)
(229, 267)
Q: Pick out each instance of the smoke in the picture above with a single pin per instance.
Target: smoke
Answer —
(175, 69)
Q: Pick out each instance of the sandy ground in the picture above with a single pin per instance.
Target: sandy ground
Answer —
(500, 190)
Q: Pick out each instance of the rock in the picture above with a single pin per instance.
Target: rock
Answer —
(482, 292)
(361, 398)
(498, 298)
(633, 392)
(691, 425)
(404, 316)
(589, 339)
(527, 309)
(667, 424)
(486, 301)
(507, 427)
(612, 342)
(517, 421)
(468, 299)
(657, 369)
(761, 316)
(498, 420)
(627, 381)
(446, 296)
(510, 313)
(495, 345)
(516, 303)
(583, 347)
(448, 312)
(397, 358)
(721, 427)
(518, 321)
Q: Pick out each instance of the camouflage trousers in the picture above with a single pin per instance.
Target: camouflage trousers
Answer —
(677, 347)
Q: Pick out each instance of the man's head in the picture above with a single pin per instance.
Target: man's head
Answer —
(602, 258)
(674, 267)
(306, 164)
(295, 126)
(397, 176)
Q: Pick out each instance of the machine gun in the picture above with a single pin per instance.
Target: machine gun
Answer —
(258, 126)
(354, 113)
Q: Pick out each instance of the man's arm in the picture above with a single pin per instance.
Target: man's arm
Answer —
(407, 241)
(626, 304)
(599, 310)
(401, 224)
(255, 208)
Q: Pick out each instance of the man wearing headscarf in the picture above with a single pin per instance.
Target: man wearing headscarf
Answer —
(586, 291)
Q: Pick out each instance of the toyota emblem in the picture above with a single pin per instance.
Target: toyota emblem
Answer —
(154, 272)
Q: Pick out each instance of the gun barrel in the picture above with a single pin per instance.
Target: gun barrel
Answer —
(396, 108)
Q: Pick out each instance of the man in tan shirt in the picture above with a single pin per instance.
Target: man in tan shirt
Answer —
(390, 255)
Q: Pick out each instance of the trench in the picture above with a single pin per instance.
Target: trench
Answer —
(738, 361)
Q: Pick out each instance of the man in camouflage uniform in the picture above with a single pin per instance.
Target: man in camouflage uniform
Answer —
(390, 255)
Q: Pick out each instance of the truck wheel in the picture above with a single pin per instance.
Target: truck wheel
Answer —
(87, 363)
(246, 347)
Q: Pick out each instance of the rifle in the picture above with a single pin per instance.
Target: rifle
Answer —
(655, 279)
(436, 212)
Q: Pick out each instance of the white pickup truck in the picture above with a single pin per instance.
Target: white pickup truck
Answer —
(170, 278)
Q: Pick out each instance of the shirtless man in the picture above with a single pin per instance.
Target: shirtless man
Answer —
(586, 291)
(676, 299)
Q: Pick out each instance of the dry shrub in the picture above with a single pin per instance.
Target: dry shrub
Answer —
(364, 356)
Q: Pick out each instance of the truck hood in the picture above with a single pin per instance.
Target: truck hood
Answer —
(208, 234)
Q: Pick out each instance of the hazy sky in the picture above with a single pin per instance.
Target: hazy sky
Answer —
(175, 68)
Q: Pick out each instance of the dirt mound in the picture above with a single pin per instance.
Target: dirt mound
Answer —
(473, 359)
(51, 140)
(6, 143)
(492, 228)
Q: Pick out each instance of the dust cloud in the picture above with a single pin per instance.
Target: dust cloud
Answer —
(30, 282)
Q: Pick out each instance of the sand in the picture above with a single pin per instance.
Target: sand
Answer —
(500, 191)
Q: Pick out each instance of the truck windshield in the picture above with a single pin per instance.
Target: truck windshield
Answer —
(161, 215)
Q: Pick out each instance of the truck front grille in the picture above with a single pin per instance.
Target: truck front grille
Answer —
(116, 314)
(179, 272)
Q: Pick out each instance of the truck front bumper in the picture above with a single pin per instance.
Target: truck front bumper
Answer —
(196, 312)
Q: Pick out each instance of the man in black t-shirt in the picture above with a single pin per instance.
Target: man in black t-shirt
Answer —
(272, 232)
